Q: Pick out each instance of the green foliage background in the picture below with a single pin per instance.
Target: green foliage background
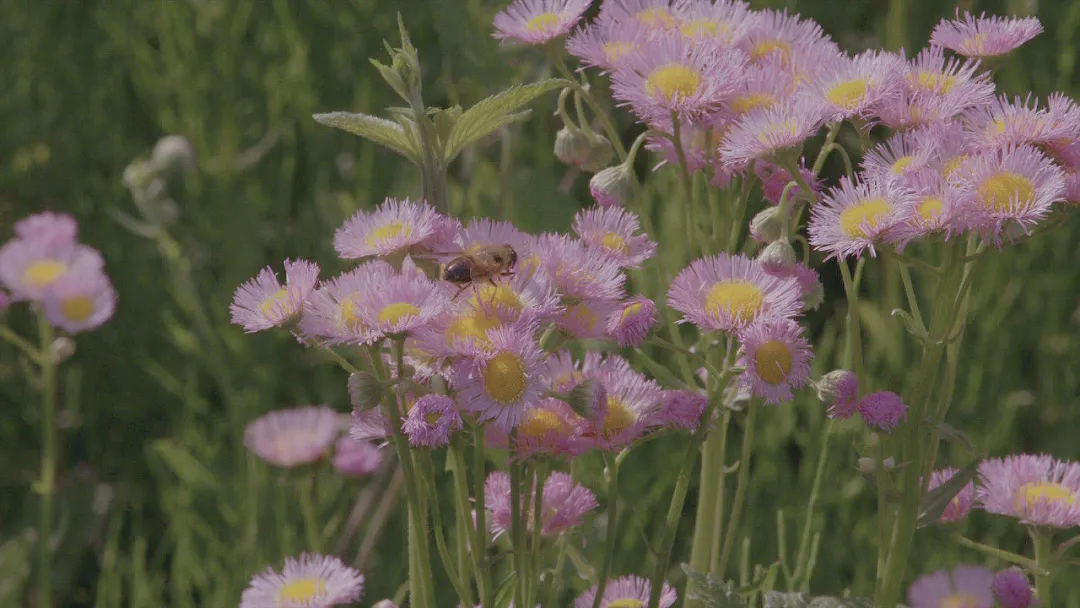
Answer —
(161, 505)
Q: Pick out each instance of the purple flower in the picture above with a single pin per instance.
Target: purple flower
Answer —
(356, 458)
(883, 410)
(774, 179)
(933, 211)
(631, 322)
(768, 131)
(312, 581)
(656, 15)
(967, 586)
(604, 43)
(1012, 589)
(564, 504)
(960, 505)
(538, 21)
(401, 304)
(680, 409)
(723, 23)
(292, 437)
(29, 265)
(777, 36)
(392, 227)
(575, 270)
(839, 389)
(626, 592)
(551, 428)
(613, 231)
(1036, 489)
(79, 302)
(855, 215)
(626, 409)
(430, 421)
(776, 357)
(1022, 121)
(47, 226)
(858, 86)
(500, 382)
(263, 302)
(984, 36)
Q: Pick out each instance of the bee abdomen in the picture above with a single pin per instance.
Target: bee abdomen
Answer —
(457, 271)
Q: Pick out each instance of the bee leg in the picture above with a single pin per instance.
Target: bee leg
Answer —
(460, 289)
(494, 292)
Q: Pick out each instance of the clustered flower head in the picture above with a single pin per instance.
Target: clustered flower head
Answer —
(46, 266)
(310, 580)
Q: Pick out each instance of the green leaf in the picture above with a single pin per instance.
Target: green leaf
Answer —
(504, 595)
(495, 111)
(711, 591)
(662, 374)
(183, 464)
(935, 501)
(379, 130)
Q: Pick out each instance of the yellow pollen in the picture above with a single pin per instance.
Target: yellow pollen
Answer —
(701, 28)
(1043, 492)
(475, 327)
(614, 51)
(902, 163)
(777, 130)
(617, 418)
(631, 310)
(541, 422)
(489, 296)
(998, 126)
(302, 590)
(385, 233)
(976, 45)
(580, 315)
(773, 361)
(394, 313)
(43, 272)
(433, 418)
(848, 94)
(543, 23)
(961, 600)
(1006, 190)
(615, 243)
(276, 301)
(529, 266)
(745, 103)
(768, 47)
(655, 16)
(672, 81)
(929, 208)
(929, 80)
(77, 309)
(867, 212)
(627, 603)
(739, 298)
(953, 165)
(504, 377)
(349, 317)
(569, 380)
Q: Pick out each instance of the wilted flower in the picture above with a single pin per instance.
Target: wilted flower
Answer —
(292, 437)
(883, 410)
(984, 36)
(431, 420)
(967, 586)
(565, 503)
(312, 581)
(839, 389)
(630, 323)
(1012, 589)
(263, 302)
(537, 21)
(626, 591)
(1036, 489)
(356, 458)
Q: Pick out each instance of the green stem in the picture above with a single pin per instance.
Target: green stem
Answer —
(721, 490)
(460, 587)
(1043, 540)
(612, 520)
(854, 330)
(803, 556)
(909, 289)
(47, 484)
(22, 344)
(470, 543)
(830, 137)
(689, 191)
(483, 573)
(537, 534)
(307, 511)
(740, 489)
(710, 487)
(560, 562)
(517, 532)
(605, 120)
(1002, 554)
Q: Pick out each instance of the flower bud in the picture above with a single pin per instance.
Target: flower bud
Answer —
(839, 389)
(61, 349)
(173, 152)
(572, 146)
(767, 226)
(601, 153)
(813, 297)
(587, 398)
(1012, 589)
(612, 186)
(778, 258)
(866, 465)
(364, 390)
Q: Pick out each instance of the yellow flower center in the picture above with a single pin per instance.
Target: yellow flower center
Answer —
(77, 309)
(768, 47)
(392, 314)
(541, 422)
(745, 103)
(387, 232)
(929, 80)
(673, 80)
(867, 212)
(1006, 190)
(302, 590)
(617, 418)
(929, 208)
(701, 28)
(614, 51)
(433, 418)
(489, 296)
(470, 326)
(848, 94)
(349, 317)
(504, 377)
(773, 361)
(777, 130)
(961, 600)
(976, 45)
(631, 310)
(275, 301)
(569, 380)
(1045, 492)
(998, 126)
(543, 23)
(953, 165)
(627, 603)
(580, 315)
(43, 272)
(739, 298)
(655, 17)
(529, 266)
(901, 164)
(615, 243)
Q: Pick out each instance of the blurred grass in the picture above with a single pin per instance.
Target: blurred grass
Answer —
(160, 503)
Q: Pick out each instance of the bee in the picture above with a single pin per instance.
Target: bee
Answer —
(480, 264)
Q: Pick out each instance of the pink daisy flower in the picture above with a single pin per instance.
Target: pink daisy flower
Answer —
(776, 357)
(950, 144)
(431, 421)
(960, 505)
(1012, 589)
(680, 409)
(333, 312)
(628, 409)
(767, 132)
(839, 389)
(775, 178)
(47, 226)
(263, 302)
(501, 382)
(626, 591)
(79, 302)
(1021, 121)
(984, 36)
(356, 458)
(312, 581)
(934, 208)
(538, 21)
(853, 217)
(613, 231)
(656, 15)
(564, 504)
(562, 373)
(763, 87)
(587, 319)
(369, 425)
(605, 43)
(414, 227)
(402, 304)
(28, 266)
(954, 84)
(292, 437)
(484, 232)
(967, 586)
(674, 75)
(1011, 187)
(631, 322)
(1036, 489)
(777, 36)
(883, 410)
(858, 86)
(1072, 185)
(728, 292)
(576, 271)
(897, 158)
(723, 23)
(551, 428)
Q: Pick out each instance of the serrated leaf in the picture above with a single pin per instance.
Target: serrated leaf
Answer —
(495, 111)
(711, 591)
(379, 130)
(935, 501)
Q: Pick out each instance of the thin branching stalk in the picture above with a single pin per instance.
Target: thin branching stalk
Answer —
(740, 489)
(612, 521)
(47, 483)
